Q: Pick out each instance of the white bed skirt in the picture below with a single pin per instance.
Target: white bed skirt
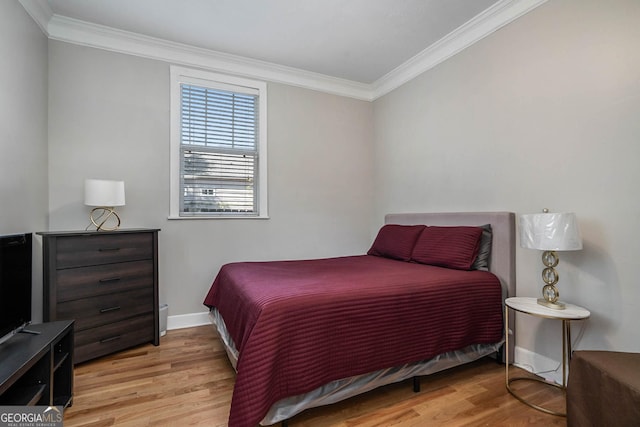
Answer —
(338, 390)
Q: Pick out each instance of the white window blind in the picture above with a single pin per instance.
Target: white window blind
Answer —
(219, 137)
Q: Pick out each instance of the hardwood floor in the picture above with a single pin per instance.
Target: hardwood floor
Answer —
(188, 380)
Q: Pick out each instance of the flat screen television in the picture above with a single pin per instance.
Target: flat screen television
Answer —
(15, 284)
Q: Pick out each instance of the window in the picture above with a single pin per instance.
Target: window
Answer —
(218, 146)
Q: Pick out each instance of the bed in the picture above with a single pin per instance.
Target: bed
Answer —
(307, 333)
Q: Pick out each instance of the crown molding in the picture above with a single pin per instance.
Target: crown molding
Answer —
(98, 36)
(482, 25)
(40, 11)
(83, 33)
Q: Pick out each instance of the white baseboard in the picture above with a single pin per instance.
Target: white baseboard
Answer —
(549, 369)
(189, 320)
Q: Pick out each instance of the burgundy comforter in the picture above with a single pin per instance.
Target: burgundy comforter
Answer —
(300, 324)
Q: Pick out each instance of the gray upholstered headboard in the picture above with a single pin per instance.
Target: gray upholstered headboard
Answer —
(503, 259)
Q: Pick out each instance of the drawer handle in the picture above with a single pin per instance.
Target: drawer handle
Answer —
(108, 249)
(106, 310)
(109, 279)
(117, 337)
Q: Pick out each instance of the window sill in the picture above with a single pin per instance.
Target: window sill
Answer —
(172, 217)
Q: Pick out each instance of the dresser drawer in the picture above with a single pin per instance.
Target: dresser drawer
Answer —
(95, 249)
(83, 282)
(106, 339)
(96, 311)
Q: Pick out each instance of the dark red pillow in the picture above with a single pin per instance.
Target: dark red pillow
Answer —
(396, 241)
(451, 247)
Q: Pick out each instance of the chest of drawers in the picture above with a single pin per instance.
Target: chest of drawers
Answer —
(107, 282)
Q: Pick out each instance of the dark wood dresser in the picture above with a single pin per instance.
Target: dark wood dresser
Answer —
(107, 282)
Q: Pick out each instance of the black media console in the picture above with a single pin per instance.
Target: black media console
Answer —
(37, 368)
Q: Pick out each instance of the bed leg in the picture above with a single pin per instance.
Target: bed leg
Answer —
(500, 355)
(285, 423)
(416, 384)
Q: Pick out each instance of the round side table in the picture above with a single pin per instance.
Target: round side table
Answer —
(530, 306)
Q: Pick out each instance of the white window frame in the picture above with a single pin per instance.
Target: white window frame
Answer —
(225, 82)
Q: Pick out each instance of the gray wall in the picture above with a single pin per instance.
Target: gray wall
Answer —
(23, 132)
(109, 118)
(543, 113)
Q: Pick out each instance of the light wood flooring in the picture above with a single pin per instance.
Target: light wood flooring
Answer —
(188, 381)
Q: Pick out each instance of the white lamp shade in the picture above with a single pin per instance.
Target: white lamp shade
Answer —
(550, 232)
(101, 192)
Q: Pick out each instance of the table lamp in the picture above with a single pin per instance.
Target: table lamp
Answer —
(550, 232)
(104, 195)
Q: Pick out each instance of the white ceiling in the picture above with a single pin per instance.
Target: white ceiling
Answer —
(357, 43)
(360, 40)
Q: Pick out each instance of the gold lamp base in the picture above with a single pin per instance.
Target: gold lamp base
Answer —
(550, 276)
(549, 304)
(100, 215)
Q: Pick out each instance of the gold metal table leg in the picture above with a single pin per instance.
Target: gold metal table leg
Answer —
(566, 350)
